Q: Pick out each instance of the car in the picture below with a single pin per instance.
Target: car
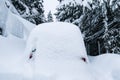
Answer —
(57, 50)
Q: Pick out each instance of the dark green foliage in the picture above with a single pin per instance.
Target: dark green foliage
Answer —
(100, 24)
(60, 0)
(49, 17)
(69, 12)
(31, 10)
(20, 8)
(1, 31)
(113, 40)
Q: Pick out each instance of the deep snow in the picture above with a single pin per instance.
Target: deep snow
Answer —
(59, 49)
(14, 65)
(11, 54)
(107, 64)
(18, 26)
(59, 39)
(12, 23)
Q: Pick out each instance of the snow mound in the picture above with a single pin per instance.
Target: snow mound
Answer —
(57, 39)
(11, 55)
(108, 64)
(111, 59)
(3, 16)
(18, 26)
(59, 48)
(11, 45)
(12, 23)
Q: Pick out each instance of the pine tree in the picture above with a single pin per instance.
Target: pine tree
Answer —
(110, 20)
(113, 37)
(60, 1)
(31, 10)
(68, 12)
(97, 20)
(98, 23)
(49, 17)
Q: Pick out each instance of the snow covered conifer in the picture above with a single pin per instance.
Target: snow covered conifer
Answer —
(68, 10)
(49, 17)
(31, 10)
(112, 39)
(60, 0)
(97, 23)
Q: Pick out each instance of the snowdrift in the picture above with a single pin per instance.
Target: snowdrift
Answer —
(11, 55)
(108, 65)
(3, 17)
(12, 23)
(18, 26)
(13, 66)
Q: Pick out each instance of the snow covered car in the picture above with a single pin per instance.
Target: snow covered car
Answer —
(57, 51)
(58, 39)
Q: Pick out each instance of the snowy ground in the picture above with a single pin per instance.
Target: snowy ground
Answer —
(15, 66)
(11, 52)
(108, 65)
(11, 66)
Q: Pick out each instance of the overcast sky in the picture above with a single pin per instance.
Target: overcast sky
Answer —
(50, 5)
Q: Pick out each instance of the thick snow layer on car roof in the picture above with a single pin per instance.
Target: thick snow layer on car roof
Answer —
(59, 49)
(57, 40)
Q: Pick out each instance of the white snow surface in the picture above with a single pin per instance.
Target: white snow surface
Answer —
(11, 22)
(107, 64)
(59, 49)
(3, 16)
(56, 63)
(11, 55)
(18, 26)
